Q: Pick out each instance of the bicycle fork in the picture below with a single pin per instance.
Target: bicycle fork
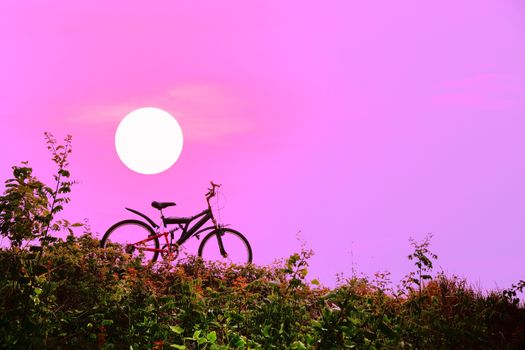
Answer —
(219, 233)
(221, 246)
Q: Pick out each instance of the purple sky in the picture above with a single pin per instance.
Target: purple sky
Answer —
(359, 125)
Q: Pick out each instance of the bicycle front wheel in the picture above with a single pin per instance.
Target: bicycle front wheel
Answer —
(135, 238)
(237, 250)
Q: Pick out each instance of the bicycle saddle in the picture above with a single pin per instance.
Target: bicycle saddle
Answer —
(162, 205)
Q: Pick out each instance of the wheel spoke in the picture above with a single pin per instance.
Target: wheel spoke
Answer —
(128, 234)
(236, 248)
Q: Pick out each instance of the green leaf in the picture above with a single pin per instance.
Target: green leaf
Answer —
(355, 321)
(266, 331)
(303, 273)
(107, 322)
(181, 347)
(177, 330)
(316, 324)
(212, 337)
(298, 345)
(239, 342)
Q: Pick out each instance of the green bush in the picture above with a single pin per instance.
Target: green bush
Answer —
(73, 294)
(81, 296)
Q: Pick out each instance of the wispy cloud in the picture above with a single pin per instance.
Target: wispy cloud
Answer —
(206, 112)
(482, 91)
(101, 113)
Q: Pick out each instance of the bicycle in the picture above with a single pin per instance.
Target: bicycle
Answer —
(229, 245)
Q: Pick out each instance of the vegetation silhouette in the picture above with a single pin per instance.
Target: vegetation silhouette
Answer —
(72, 293)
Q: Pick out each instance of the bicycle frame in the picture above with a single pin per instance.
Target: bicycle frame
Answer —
(184, 224)
(187, 231)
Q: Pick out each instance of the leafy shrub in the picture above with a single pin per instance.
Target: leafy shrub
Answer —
(28, 206)
(81, 296)
(74, 294)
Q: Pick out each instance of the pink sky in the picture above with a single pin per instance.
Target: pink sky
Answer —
(359, 125)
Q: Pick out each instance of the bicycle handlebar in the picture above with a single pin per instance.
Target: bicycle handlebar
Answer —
(211, 191)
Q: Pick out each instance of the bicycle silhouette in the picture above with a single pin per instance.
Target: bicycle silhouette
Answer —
(140, 238)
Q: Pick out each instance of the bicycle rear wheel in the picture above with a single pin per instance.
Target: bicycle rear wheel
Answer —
(128, 233)
(237, 248)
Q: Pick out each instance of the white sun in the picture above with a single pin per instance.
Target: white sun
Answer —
(148, 140)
